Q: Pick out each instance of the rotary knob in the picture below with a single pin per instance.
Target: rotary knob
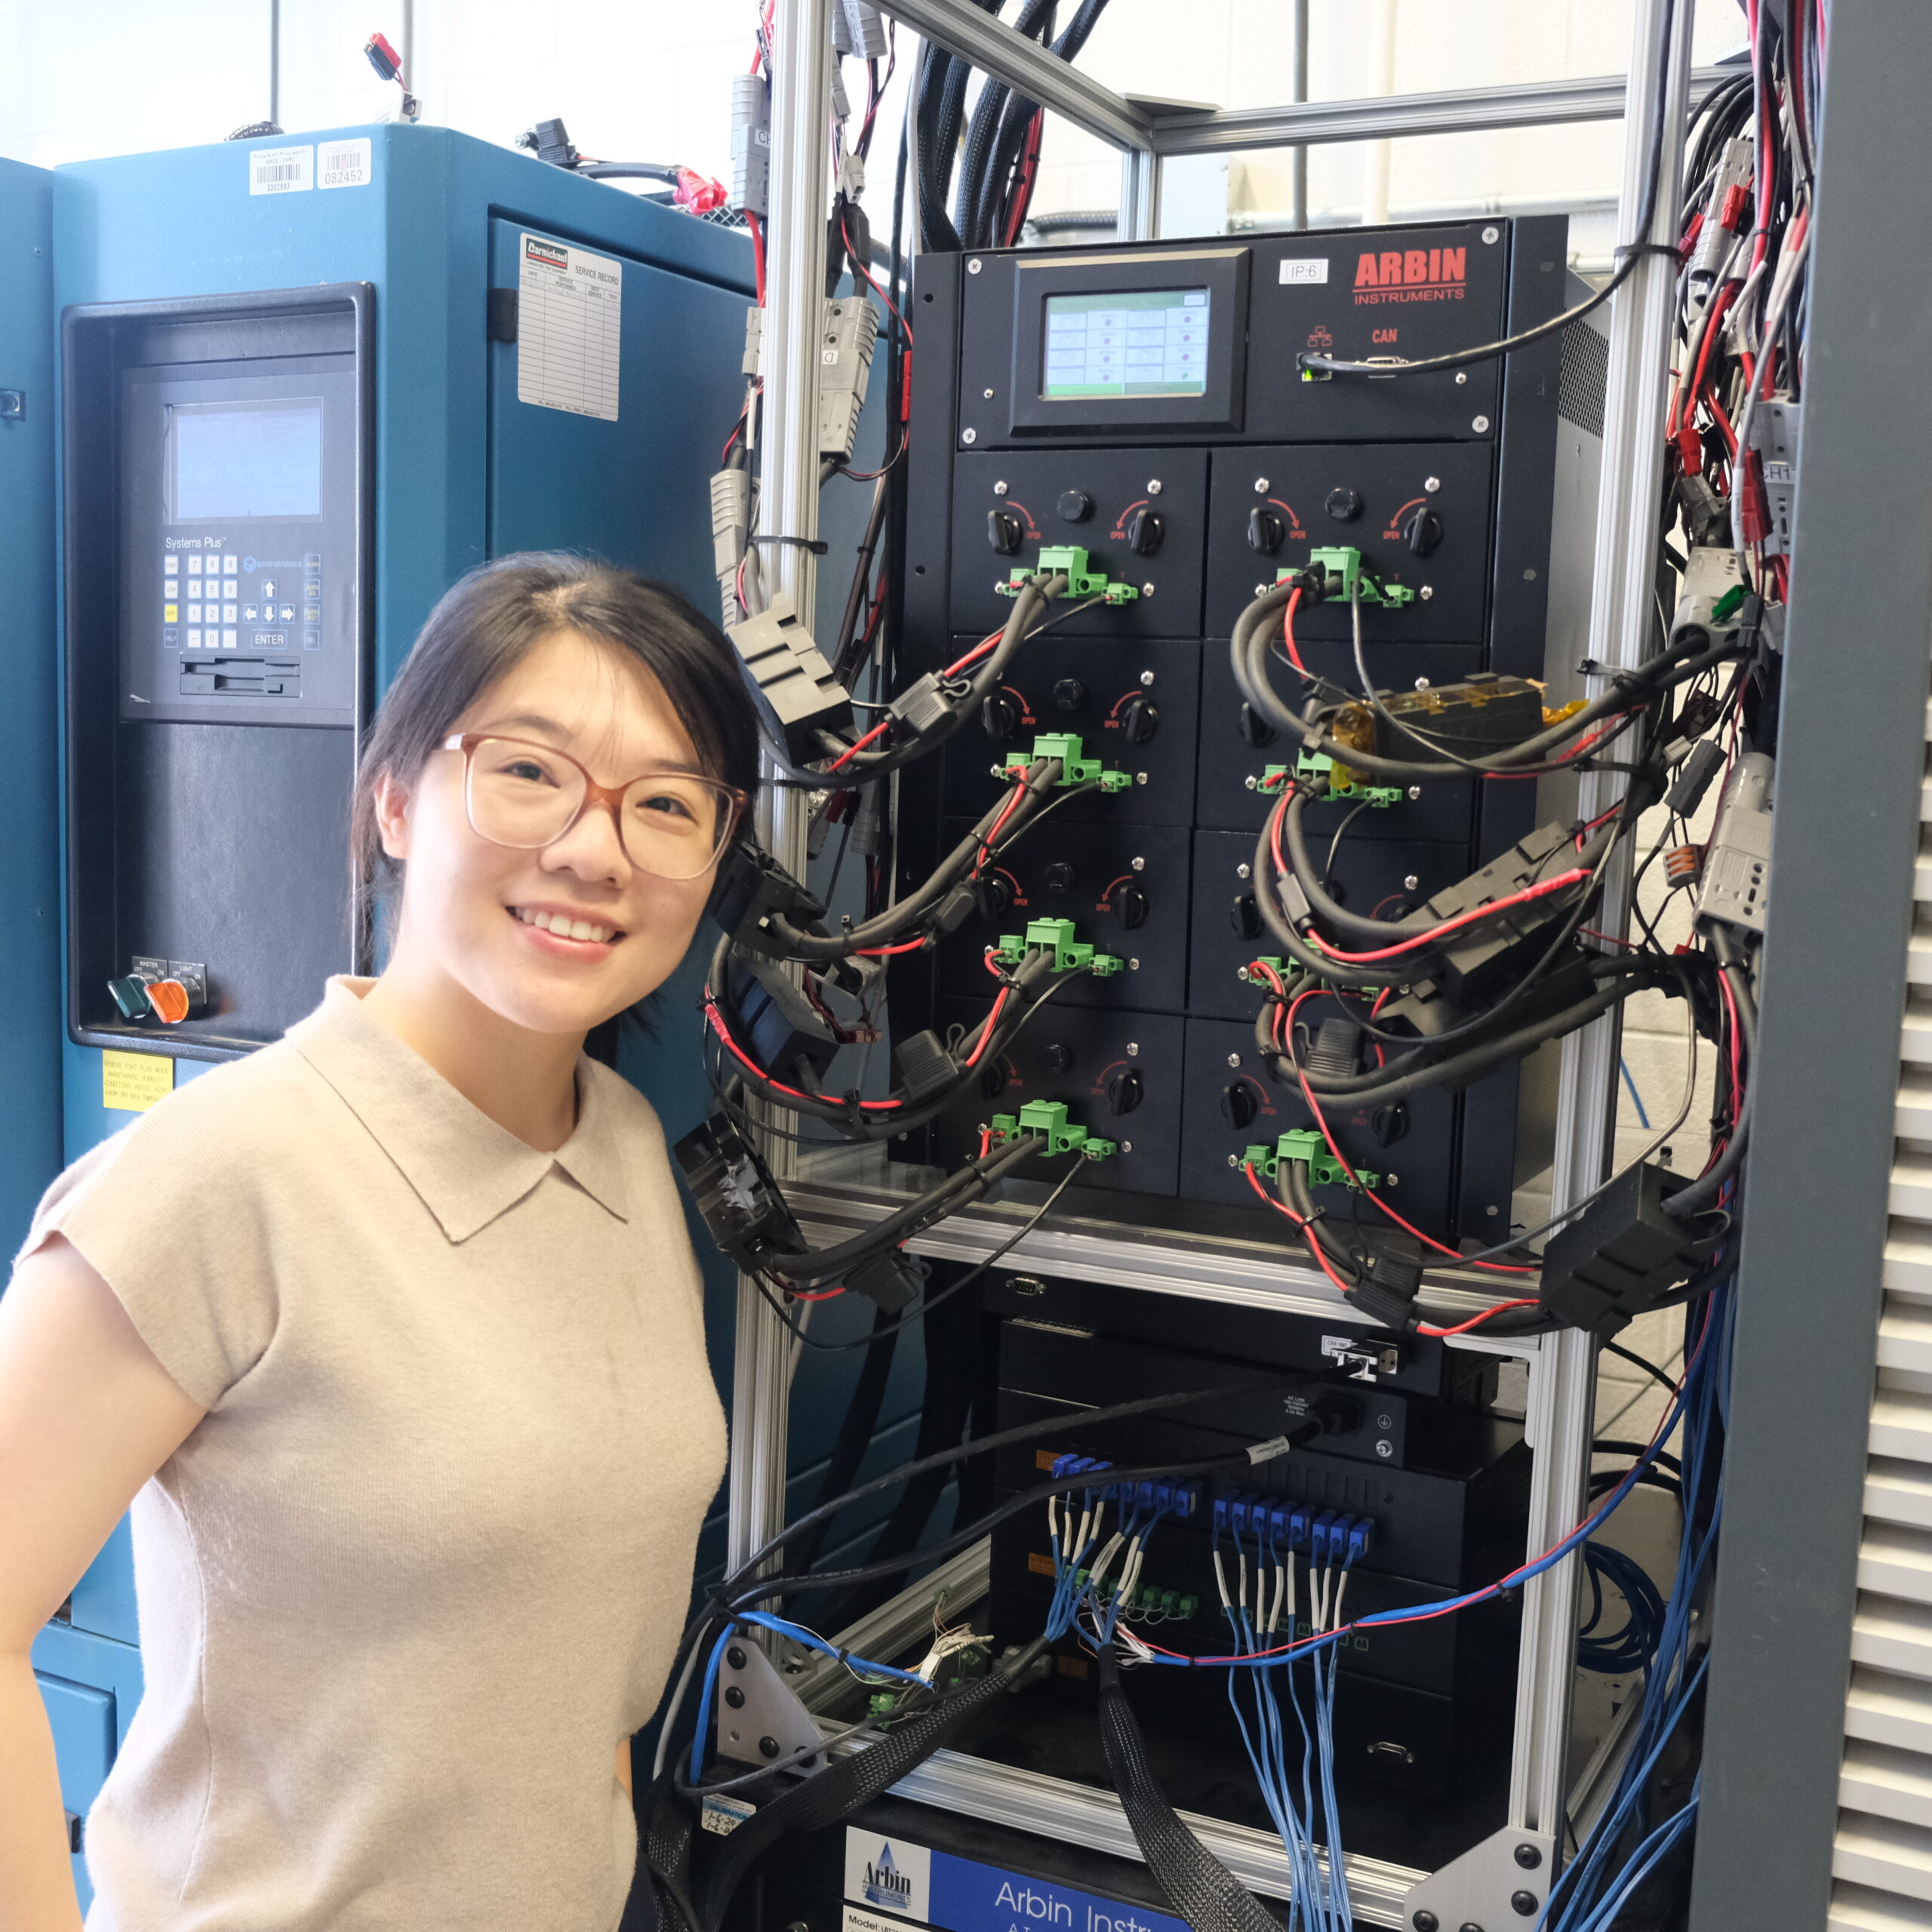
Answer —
(1245, 916)
(1004, 532)
(1265, 531)
(1139, 719)
(1128, 902)
(1238, 1104)
(1145, 530)
(1125, 1090)
(1000, 715)
(1255, 730)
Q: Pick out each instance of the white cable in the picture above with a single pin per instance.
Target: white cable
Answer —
(1221, 1581)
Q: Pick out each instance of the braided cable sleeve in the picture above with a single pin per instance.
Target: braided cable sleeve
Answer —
(1200, 1889)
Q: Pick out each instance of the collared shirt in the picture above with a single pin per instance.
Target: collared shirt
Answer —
(425, 1562)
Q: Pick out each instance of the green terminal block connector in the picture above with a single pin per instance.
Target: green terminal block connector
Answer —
(1283, 968)
(1056, 936)
(1048, 1120)
(1069, 560)
(1074, 769)
(1304, 1143)
(1346, 789)
(1344, 579)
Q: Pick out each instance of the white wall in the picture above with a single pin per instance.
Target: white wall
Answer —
(649, 80)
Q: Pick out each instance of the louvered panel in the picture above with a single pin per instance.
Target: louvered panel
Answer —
(1899, 1493)
(1892, 1635)
(1908, 1262)
(1884, 1708)
(1902, 1425)
(1912, 1186)
(1885, 1783)
(1859, 1909)
(1885, 1853)
(1905, 1336)
(1915, 1041)
(1918, 960)
(1895, 1562)
(1913, 1114)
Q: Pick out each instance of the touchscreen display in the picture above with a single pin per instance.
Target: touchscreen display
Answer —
(1142, 342)
(246, 459)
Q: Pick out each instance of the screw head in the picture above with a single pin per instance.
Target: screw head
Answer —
(1126, 1147)
(1154, 487)
(1426, 592)
(988, 394)
(999, 489)
(969, 435)
(1528, 1857)
(767, 1747)
(1462, 377)
(1250, 781)
(1421, 684)
(1146, 590)
(1391, 1178)
(1489, 235)
(1132, 1046)
(1529, 577)
(1410, 881)
(1469, 1925)
(1523, 1903)
(1141, 778)
(1414, 793)
(1261, 486)
(1492, 1209)
(1234, 1160)
(1425, 1921)
(735, 1657)
(1261, 590)
(1243, 870)
(1480, 425)
(734, 1697)
(973, 266)
(1431, 484)
(1234, 1060)
(1146, 679)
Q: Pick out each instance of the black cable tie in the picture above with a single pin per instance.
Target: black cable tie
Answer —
(1669, 248)
(815, 545)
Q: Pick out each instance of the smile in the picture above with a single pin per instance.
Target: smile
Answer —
(564, 925)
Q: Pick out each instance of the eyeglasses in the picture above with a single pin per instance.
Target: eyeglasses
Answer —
(526, 795)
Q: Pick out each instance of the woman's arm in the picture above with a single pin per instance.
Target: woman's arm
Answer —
(87, 1415)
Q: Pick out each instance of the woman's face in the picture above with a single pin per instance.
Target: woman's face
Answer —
(469, 905)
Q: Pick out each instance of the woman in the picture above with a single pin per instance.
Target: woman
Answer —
(391, 1335)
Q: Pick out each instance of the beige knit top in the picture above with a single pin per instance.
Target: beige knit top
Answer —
(424, 1562)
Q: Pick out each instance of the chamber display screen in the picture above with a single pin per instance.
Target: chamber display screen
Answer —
(1143, 342)
(246, 459)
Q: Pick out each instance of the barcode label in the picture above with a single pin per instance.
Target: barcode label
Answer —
(343, 164)
(281, 171)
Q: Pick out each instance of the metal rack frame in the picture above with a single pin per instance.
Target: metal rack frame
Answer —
(1561, 1367)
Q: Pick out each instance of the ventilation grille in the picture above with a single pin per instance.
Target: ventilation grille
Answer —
(1585, 374)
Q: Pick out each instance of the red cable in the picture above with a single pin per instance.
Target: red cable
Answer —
(987, 1032)
(1540, 890)
(817, 1294)
(886, 952)
(738, 1053)
(1288, 632)
(973, 657)
(1476, 1321)
(851, 750)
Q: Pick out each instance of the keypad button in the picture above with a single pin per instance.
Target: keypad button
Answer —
(230, 566)
(311, 640)
(312, 563)
(312, 589)
(195, 564)
(193, 614)
(194, 639)
(169, 613)
(171, 637)
(251, 614)
(227, 640)
(312, 614)
(170, 566)
(227, 614)
(287, 613)
(268, 587)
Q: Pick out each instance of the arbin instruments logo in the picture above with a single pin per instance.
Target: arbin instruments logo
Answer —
(1411, 274)
(886, 1885)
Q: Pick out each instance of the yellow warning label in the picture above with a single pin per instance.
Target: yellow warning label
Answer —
(133, 1082)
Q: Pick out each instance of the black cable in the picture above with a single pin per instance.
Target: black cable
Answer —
(1631, 254)
(1649, 1368)
(856, 1431)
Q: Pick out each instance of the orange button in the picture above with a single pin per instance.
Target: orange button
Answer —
(169, 998)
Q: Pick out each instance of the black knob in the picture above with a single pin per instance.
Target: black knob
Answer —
(1255, 730)
(1390, 1123)
(1265, 531)
(1343, 505)
(993, 1082)
(1128, 902)
(1247, 915)
(1145, 529)
(1125, 1090)
(1057, 1059)
(1075, 506)
(995, 893)
(1000, 715)
(1004, 532)
(1421, 531)
(1139, 719)
(1069, 694)
(1238, 1104)
(1058, 877)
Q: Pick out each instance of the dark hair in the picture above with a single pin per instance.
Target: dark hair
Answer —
(489, 621)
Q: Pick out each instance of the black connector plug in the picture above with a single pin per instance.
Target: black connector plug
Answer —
(925, 1067)
(1388, 1292)
(785, 1036)
(743, 1211)
(1621, 1256)
(890, 1279)
(753, 888)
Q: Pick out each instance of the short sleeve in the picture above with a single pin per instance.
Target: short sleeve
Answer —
(165, 1213)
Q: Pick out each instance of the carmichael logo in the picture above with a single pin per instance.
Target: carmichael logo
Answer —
(1411, 274)
(549, 254)
(885, 1884)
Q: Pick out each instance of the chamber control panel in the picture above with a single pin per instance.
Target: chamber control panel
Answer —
(238, 575)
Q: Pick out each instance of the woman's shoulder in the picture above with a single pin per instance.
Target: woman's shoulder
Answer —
(633, 1119)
